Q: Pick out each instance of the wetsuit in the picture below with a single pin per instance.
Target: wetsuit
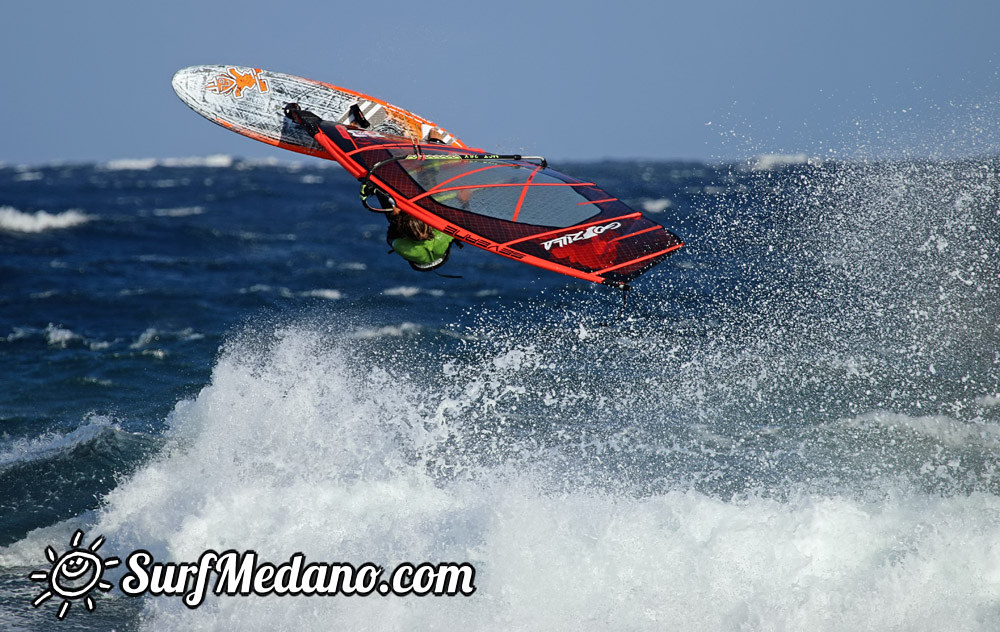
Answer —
(423, 255)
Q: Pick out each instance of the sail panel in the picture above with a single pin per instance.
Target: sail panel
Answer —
(518, 208)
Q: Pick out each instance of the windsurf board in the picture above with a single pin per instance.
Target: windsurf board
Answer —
(251, 101)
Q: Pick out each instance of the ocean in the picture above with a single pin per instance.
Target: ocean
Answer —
(793, 426)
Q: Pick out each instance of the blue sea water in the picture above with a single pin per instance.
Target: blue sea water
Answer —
(795, 425)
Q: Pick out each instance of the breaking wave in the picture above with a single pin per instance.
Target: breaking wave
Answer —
(14, 220)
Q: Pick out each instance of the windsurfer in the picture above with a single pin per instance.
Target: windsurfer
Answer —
(423, 247)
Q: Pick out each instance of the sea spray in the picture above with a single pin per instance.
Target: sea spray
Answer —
(308, 456)
(794, 425)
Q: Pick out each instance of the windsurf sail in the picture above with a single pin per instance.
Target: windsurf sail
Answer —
(514, 206)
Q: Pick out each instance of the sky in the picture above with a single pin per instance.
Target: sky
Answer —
(709, 80)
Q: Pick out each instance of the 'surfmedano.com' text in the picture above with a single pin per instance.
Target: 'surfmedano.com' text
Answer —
(242, 573)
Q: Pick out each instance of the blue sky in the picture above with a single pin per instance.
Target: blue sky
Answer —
(708, 80)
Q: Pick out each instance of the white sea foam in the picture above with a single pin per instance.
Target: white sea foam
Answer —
(13, 220)
(28, 450)
(55, 336)
(944, 430)
(348, 265)
(388, 331)
(766, 162)
(263, 288)
(988, 400)
(145, 339)
(25, 553)
(257, 287)
(184, 211)
(251, 163)
(656, 206)
(28, 176)
(131, 164)
(145, 164)
(297, 447)
(409, 291)
(59, 336)
(403, 290)
(151, 336)
(331, 295)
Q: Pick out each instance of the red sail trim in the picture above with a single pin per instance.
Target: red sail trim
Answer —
(524, 191)
(498, 185)
(437, 188)
(597, 201)
(605, 220)
(639, 232)
(640, 259)
(353, 168)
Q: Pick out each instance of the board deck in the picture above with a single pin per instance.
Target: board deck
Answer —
(251, 102)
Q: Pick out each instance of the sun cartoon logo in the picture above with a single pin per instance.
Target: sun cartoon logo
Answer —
(74, 574)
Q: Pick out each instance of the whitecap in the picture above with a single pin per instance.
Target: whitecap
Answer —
(767, 162)
(32, 449)
(409, 291)
(59, 336)
(14, 220)
(145, 164)
(331, 295)
(184, 211)
(656, 206)
(406, 291)
(388, 331)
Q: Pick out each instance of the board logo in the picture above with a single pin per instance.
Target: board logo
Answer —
(74, 574)
(233, 82)
(569, 238)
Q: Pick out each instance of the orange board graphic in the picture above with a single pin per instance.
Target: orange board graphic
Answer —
(234, 82)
